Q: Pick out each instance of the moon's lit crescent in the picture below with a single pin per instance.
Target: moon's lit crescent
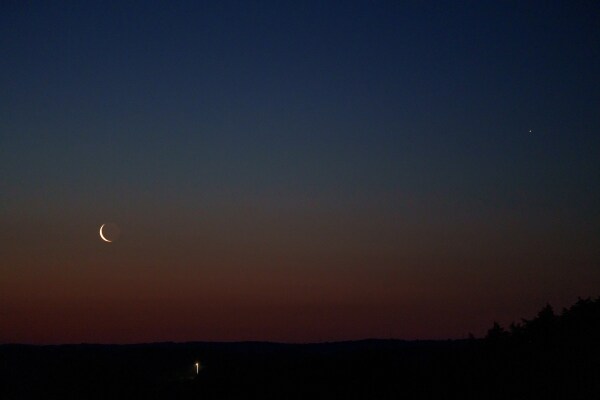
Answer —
(102, 236)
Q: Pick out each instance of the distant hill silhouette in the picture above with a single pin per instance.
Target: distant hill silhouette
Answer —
(548, 357)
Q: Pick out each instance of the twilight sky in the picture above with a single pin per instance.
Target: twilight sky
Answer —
(295, 171)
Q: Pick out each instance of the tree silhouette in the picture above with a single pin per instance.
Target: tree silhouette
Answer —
(496, 333)
(578, 323)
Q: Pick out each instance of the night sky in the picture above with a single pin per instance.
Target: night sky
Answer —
(295, 171)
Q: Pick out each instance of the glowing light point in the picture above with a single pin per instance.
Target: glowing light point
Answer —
(197, 368)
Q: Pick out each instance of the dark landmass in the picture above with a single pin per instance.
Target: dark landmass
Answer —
(551, 357)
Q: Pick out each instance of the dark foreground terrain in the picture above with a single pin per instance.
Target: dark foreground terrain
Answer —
(549, 357)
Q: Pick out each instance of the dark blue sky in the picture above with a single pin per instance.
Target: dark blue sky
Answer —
(367, 145)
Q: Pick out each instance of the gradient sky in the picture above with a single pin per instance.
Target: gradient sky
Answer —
(295, 171)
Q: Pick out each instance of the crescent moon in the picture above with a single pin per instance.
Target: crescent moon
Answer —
(102, 236)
